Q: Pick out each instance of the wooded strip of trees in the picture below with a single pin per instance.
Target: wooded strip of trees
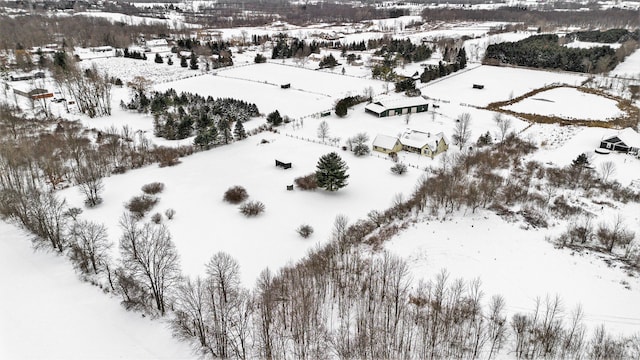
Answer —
(178, 116)
(546, 20)
(545, 51)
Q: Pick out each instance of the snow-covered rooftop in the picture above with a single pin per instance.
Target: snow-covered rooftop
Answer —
(385, 141)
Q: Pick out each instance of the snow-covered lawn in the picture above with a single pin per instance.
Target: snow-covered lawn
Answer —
(500, 84)
(629, 68)
(268, 97)
(47, 313)
(587, 45)
(204, 224)
(316, 82)
(520, 265)
(568, 103)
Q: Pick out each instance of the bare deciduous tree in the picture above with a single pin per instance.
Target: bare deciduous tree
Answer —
(607, 169)
(323, 130)
(150, 257)
(89, 246)
(462, 131)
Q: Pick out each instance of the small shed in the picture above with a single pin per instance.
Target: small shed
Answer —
(285, 86)
(478, 86)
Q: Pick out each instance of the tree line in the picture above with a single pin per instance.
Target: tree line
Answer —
(178, 116)
(545, 51)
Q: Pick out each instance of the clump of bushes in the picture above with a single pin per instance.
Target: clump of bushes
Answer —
(399, 168)
(140, 205)
(236, 195)
(252, 208)
(307, 182)
(305, 230)
(153, 188)
(156, 218)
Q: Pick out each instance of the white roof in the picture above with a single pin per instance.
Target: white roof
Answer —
(419, 139)
(385, 141)
(404, 102)
(629, 136)
(156, 42)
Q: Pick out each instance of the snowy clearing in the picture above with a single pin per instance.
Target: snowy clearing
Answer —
(45, 304)
(568, 103)
(521, 266)
(500, 83)
(204, 224)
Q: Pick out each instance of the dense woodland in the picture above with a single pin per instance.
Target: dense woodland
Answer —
(545, 51)
(178, 116)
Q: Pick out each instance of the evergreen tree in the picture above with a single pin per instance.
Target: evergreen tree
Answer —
(183, 61)
(224, 131)
(169, 61)
(193, 63)
(331, 173)
(158, 59)
(238, 131)
(462, 58)
(581, 161)
(274, 118)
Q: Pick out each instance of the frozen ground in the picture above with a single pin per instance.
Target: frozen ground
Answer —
(629, 68)
(47, 313)
(520, 265)
(500, 83)
(204, 224)
(568, 103)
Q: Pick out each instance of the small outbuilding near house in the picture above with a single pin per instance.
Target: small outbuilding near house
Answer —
(386, 144)
(408, 105)
(626, 140)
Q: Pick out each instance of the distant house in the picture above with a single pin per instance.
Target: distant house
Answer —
(34, 94)
(386, 144)
(424, 143)
(397, 107)
(157, 45)
(627, 141)
(27, 76)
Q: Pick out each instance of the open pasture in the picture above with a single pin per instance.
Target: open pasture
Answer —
(568, 103)
(204, 224)
(500, 84)
(327, 83)
(267, 97)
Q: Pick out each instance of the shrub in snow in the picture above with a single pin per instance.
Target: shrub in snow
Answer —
(236, 195)
(156, 218)
(153, 188)
(307, 182)
(399, 168)
(140, 205)
(252, 208)
(169, 213)
(167, 156)
(305, 230)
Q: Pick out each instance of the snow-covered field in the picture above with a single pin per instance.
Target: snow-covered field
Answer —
(568, 103)
(500, 84)
(521, 266)
(204, 224)
(629, 68)
(329, 83)
(47, 313)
